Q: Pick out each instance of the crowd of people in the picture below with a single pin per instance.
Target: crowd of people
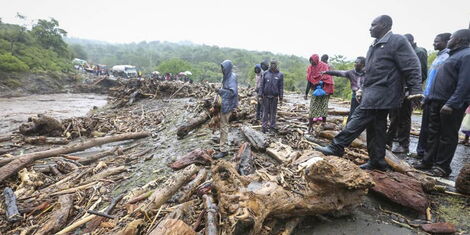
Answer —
(386, 84)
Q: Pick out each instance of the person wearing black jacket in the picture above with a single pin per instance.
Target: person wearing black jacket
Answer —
(390, 64)
(271, 90)
(400, 119)
(449, 96)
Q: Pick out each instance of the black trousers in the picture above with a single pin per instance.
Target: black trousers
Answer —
(400, 125)
(374, 121)
(354, 105)
(259, 108)
(269, 112)
(443, 135)
(423, 134)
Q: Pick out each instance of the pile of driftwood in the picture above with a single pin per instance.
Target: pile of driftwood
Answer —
(266, 187)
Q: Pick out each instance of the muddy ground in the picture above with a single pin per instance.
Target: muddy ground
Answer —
(373, 217)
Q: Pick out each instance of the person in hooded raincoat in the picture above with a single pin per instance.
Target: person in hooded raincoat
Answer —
(316, 77)
(229, 95)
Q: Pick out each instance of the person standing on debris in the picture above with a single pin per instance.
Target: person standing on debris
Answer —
(229, 95)
(264, 66)
(324, 58)
(390, 63)
(258, 77)
(356, 78)
(271, 90)
(449, 96)
(400, 118)
(323, 87)
(440, 44)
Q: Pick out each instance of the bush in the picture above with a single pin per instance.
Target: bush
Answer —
(10, 63)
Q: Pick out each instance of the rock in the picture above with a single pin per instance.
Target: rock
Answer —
(462, 183)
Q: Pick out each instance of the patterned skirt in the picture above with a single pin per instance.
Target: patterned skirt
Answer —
(319, 106)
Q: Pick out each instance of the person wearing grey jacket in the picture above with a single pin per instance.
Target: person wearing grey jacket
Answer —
(390, 64)
(271, 90)
(229, 95)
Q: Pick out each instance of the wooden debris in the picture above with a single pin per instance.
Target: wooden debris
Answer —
(197, 156)
(245, 160)
(211, 215)
(59, 217)
(20, 162)
(42, 125)
(462, 183)
(132, 228)
(439, 228)
(188, 190)
(256, 138)
(291, 225)
(280, 152)
(41, 140)
(172, 227)
(401, 189)
(12, 212)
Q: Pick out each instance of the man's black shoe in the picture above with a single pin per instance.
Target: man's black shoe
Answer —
(220, 155)
(422, 166)
(330, 150)
(370, 166)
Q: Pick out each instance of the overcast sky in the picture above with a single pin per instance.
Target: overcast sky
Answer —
(286, 26)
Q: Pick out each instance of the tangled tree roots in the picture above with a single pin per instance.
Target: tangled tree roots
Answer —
(330, 184)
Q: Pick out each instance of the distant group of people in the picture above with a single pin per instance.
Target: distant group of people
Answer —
(172, 77)
(387, 83)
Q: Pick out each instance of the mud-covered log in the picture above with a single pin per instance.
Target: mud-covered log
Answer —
(96, 157)
(246, 165)
(188, 190)
(42, 125)
(330, 184)
(335, 112)
(172, 227)
(40, 140)
(166, 191)
(357, 143)
(401, 189)
(462, 183)
(439, 228)
(12, 212)
(280, 152)
(21, 161)
(59, 217)
(193, 123)
(212, 227)
(197, 156)
(256, 138)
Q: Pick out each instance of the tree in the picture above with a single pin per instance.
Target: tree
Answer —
(77, 51)
(48, 34)
(174, 66)
(342, 86)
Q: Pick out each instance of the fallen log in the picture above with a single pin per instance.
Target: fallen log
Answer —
(211, 215)
(246, 165)
(194, 123)
(401, 189)
(88, 160)
(280, 152)
(6, 137)
(335, 112)
(256, 138)
(462, 183)
(40, 140)
(59, 217)
(439, 228)
(12, 212)
(105, 173)
(21, 161)
(357, 143)
(188, 190)
(163, 193)
(197, 156)
(329, 184)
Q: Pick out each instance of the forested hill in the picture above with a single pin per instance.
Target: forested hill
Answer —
(202, 60)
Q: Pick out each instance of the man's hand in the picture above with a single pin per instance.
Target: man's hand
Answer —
(446, 110)
(415, 100)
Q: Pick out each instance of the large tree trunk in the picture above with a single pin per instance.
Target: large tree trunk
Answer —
(195, 122)
(256, 138)
(401, 189)
(329, 184)
(59, 217)
(21, 161)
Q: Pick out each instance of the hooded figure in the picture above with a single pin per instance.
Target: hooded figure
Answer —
(229, 94)
(229, 90)
(314, 76)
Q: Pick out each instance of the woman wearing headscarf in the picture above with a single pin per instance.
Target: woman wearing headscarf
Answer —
(322, 86)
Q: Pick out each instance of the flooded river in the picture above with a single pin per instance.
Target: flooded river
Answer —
(16, 110)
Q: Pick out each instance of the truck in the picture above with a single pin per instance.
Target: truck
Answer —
(126, 71)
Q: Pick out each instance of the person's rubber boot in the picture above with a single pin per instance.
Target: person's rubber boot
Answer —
(369, 166)
(220, 155)
(330, 150)
(422, 166)
(398, 148)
